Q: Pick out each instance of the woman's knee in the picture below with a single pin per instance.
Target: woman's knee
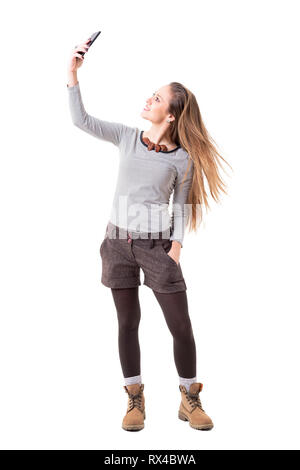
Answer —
(129, 321)
(183, 332)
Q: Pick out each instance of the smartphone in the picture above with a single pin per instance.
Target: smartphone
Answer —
(92, 39)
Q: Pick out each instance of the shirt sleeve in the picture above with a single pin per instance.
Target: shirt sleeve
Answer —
(179, 210)
(104, 130)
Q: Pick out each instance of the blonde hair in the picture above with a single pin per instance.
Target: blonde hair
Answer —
(189, 131)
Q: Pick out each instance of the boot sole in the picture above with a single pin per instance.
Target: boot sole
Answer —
(133, 427)
(202, 427)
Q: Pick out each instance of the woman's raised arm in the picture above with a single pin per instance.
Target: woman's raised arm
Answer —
(104, 130)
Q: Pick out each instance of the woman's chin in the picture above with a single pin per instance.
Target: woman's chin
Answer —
(144, 116)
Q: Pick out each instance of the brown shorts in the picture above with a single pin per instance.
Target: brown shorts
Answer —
(123, 253)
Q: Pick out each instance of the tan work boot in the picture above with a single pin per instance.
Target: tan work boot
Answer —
(135, 415)
(191, 408)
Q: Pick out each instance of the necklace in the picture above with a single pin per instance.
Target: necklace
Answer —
(152, 145)
(157, 147)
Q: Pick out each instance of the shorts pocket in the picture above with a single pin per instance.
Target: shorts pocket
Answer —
(105, 237)
(101, 247)
(166, 247)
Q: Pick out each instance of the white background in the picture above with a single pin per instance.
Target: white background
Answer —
(61, 380)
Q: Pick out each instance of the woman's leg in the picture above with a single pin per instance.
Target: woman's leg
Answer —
(175, 309)
(128, 310)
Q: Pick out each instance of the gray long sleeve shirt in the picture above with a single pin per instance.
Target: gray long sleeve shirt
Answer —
(146, 179)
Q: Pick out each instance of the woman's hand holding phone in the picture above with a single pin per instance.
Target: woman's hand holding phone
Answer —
(77, 58)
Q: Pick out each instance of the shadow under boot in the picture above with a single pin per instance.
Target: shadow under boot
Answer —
(135, 415)
(191, 408)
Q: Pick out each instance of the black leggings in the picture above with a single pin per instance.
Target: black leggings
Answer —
(175, 309)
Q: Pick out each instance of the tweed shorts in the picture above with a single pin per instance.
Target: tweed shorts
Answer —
(124, 253)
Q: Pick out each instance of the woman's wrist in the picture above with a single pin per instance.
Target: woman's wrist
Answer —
(175, 250)
(176, 245)
(72, 80)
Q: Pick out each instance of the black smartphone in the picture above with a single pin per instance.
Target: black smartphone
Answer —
(92, 39)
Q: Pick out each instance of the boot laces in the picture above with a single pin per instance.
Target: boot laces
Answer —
(194, 401)
(135, 401)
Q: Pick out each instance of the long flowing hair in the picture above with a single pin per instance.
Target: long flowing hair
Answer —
(189, 131)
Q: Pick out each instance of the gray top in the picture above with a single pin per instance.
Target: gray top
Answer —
(146, 179)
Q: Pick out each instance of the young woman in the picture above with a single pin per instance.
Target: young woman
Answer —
(176, 155)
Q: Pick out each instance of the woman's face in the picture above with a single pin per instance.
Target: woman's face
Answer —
(156, 108)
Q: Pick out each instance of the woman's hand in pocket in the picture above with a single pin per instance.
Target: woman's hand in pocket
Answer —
(175, 251)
